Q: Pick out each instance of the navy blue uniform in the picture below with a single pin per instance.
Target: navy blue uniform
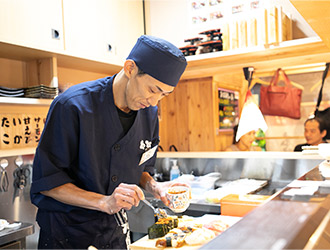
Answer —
(84, 143)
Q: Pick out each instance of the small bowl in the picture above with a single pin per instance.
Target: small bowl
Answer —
(179, 198)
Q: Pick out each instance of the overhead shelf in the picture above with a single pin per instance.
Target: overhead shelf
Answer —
(241, 154)
(17, 151)
(17, 52)
(22, 100)
(286, 54)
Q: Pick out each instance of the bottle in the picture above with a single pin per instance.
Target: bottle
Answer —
(175, 172)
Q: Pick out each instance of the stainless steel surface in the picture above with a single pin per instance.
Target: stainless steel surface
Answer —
(287, 222)
(278, 171)
(9, 235)
(15, 204)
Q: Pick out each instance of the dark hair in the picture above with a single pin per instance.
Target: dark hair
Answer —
(319, 120)
(140, 72)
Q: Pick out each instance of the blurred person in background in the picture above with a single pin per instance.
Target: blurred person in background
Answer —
(251, 120)
(244, 143)
(315, 131)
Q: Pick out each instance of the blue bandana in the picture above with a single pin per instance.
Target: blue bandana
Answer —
(159, 59)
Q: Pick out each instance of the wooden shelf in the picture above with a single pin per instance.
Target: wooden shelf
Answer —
(17, 52)
(28, 101)
(16, 151)
(238, 155)
(297, 52)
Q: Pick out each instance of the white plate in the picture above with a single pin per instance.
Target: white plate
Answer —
(14, 225)
(5, 224)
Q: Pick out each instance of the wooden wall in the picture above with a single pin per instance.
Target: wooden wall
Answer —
(12, 73)
(189, 116)
(186, 118)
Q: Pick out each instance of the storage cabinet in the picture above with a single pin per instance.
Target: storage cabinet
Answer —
(60, 43)
(89, 29)
(33, 23)
(102, 30)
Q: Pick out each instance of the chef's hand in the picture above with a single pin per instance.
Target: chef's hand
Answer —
(124, 196)
(161, 187)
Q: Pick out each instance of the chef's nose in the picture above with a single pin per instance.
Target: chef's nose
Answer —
(153, 100)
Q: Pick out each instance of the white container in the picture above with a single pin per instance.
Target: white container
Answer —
(175, 172)
(324, 150)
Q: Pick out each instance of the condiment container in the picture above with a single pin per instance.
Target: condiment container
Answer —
(240, 205)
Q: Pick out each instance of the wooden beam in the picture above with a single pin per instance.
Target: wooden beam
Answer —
(316, 14)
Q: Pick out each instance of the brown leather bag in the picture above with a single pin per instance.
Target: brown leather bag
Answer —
(280, 100)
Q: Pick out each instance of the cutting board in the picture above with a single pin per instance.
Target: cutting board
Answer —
(145, 243)
(150, 244)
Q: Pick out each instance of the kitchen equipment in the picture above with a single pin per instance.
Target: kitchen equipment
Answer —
(240, 205)
(175, 172)
(4, 183)
(310, 150)
(21, 175)
(200, 184)
(159, 212)
(15, 205)
(324, 151)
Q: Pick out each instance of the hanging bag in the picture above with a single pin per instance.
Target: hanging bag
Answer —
(280, 100)
(324, 114)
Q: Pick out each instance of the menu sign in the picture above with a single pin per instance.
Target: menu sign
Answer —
(228, 109)
(20, 130)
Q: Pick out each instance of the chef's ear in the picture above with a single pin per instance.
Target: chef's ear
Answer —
(129, 68)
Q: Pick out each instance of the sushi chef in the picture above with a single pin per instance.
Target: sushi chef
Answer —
(99, 147)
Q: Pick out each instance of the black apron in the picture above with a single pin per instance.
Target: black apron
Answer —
(80, 229)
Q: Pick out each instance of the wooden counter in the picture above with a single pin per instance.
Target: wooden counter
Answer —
(150, 244)
(146, 244)
(282, 224)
